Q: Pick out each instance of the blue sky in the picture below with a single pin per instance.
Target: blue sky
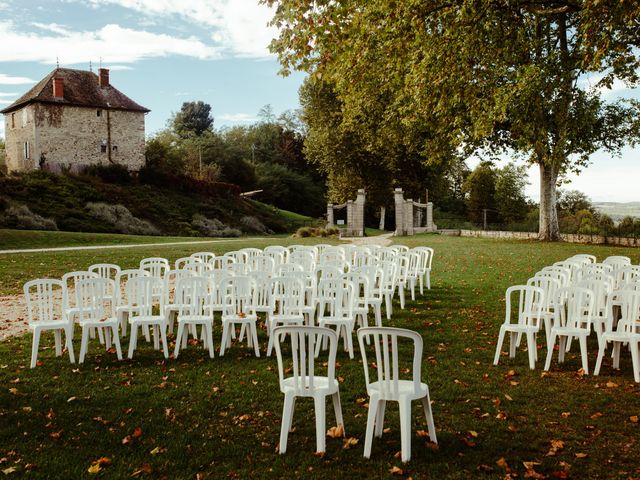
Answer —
(164, 52)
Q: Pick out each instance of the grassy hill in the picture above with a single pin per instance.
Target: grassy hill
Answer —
(149, 204)
(617, 211)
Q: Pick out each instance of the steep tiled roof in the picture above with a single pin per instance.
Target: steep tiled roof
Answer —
(81, 89)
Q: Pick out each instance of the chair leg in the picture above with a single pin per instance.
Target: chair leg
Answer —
(602, 348)
(552, 342)
(287, 417)
(179, 336)
(387, 305)
(58, 339)
(635, 360)
(337, 409)
(320, 407)
(163, 336)
(225, 335)
(401, 292)
(116, 341)
(68, 333)
(583, 354)
(34, 347)
(616, 355)
(378, 312)
(208, 328)
(84, 343)
(496, 358)
(156, 337)
(133, 340)
(371, 423)
(428, 413)
(254, 334)
(382, 405)
(562, 343)
(147, 334)
(107, 338)
(513, 343)
(405, 428)
(531, 346)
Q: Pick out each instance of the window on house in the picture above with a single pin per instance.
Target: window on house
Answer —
(25, 117)
(98, 113)
(103, 148)
(115, 148)
(27, 153)
(13, 120)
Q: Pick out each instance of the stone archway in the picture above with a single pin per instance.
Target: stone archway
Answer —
(355, 215)
(413, 217)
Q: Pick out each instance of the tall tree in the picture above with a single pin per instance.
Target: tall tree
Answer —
(499, 75)
(510, 199)
(194, 118)
(480, 189)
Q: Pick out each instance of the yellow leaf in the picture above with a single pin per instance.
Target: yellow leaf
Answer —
(336, 432)
(102, 461)
(611, 385)
(633, 419)
(396, 471)
(347, 443)
(501, 462)
(95, 468)
(473, 433)
(158, 450)
(9, 470)
(581, 455)
(422, 433)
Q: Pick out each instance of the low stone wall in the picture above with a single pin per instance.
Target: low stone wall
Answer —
(567, 237)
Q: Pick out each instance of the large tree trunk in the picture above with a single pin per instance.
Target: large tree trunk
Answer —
(549, 228)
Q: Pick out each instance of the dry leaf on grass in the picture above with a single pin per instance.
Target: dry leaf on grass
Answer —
(396, 471)
(347, 443)
(336, 432)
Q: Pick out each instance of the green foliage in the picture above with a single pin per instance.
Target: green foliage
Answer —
(474, 74)
(306, 232)
(480, 187)
(194, 118)
(510, 199)
(121, 219)
(19, 216)
(114, 173)
(572, 201)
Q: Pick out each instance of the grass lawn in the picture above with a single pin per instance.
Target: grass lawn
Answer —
(220, 418)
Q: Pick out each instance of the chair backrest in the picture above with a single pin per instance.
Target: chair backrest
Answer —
(630, 273)
(141, 291)
(389, 274)
(287, 295)
(628, 302)
(205, 257)
(156, 266)
(121, 281)
(388, 370)
(530, 300)
(251, 252)
(304, 364)
(590, 269)
(192, 296)
(278, 253)
(105, 270)
(286, 268)
(42, 297)
(360, 283)
(239, 256)
(336, 299)
(237, 295)
(601, 286)
(561, 273)
(261, 263)
(374, 277)
(262, 286)
(328, 271)
(171, 278)
(305, 258)
(572, 266)
(584, 256)
(549, 286)
(617, 261)
(574, 307)
(91, 298)
(195, 264)
(222, 262)
(70, 281)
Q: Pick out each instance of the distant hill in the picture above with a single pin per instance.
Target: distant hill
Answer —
(617, 211)
(148, 204)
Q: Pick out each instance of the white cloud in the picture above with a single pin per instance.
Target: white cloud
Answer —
(237, 117)
(5, 102)
(112, 42)
(52, 27)
(7, 94)
(11, 80)
(240, 26)
(118, 68)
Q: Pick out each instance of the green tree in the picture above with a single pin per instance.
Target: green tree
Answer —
(480, 188)
(501, 76)
(194, 118)
(572, 201)
(511, 202)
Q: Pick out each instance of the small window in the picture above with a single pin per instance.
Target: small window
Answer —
(13, 120)
(98, 113)
(115, 148)
(25, 117)
(103, 148)
(27, 153)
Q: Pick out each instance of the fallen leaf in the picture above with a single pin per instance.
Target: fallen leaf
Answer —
(102, 461)
(556, 445)
(596, 415)
(158, 450)
(347, 443)
(396, 471)
(9, 470)
(95, 468)
(611, 385)
(336, 432)
(422, 433)
(137, 432)
(633, 418)
(473, 433)
(581, 455)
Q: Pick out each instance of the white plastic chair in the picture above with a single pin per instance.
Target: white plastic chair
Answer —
(549, 286)
(70, 282)
(617, 261)
(530, 301)
(287, 305)
(626, 331)
(303, 380)
(387, 284)
(573, 311)
(123, 305)
(171, 306)
(278, 253)
(336, 301)
(387, 384)
(141, 292)
(45, 312)
(192, 298)
(373, 297)
(262, 264)
(92, 295)
(238, 309)
(205, 257)
(194, 264)
(584, 257)
(157, 267)
(602, 286)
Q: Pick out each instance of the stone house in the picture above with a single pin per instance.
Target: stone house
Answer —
(73, 118)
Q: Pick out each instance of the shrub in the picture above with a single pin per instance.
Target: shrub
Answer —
(316, 232)
(121, 218)
(19, 216)
(118, 174)
(253, 224)
(213, 227)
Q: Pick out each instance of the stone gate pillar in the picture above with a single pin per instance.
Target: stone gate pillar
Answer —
(430, 225)
(358, 214)
(349, 217)
(408, 217)
(330, 221)
(398, 198)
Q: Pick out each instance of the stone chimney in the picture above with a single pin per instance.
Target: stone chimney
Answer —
(103, 77)
(58, 87)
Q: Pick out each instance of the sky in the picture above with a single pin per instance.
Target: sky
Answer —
(162, 53)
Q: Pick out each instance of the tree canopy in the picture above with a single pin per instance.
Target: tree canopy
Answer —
(194, 118)
(475, 75)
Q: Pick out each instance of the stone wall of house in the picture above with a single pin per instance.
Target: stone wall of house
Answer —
(67, 136)
(567, 237)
